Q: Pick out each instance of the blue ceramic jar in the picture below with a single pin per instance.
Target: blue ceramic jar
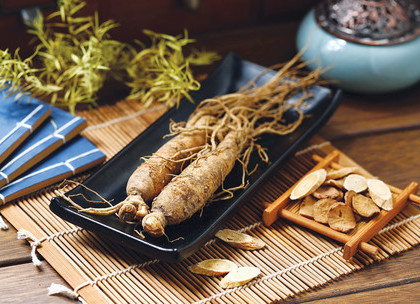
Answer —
(359, 67)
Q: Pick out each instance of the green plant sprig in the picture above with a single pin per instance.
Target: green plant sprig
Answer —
(75, 55)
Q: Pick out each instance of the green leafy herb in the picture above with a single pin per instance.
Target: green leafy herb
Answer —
(75, 56)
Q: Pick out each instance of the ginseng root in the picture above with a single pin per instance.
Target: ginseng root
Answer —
(155, 172)
(192, 188)
(151, 176)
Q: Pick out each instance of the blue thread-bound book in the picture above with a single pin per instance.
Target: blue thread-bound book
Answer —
(55, 132)
(18, 119)
(76, 156)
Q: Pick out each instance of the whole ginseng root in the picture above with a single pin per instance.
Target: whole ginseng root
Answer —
(150, 177)
(193, 187)
(154, 173)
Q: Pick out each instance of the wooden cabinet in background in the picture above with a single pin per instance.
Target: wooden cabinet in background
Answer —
(167, 16)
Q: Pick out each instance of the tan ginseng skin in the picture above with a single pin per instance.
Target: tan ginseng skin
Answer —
(193, 187)
(154, 173)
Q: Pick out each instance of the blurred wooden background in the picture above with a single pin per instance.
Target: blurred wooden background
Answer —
(166, 16)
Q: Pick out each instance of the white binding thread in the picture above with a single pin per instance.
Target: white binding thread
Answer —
(6, 177)
(22, 123)
(62, 137)
(3, 225)
(73, 170)
(74, 295)
(405, 221)
(25, 125)
(26, 152)
(55, 134)
(25, 234)
(65, 126)
(123, 118)
(58, 289)
(51, 167)
(3, 199)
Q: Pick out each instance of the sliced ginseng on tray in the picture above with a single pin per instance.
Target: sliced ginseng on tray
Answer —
(341, 217)
(339, 183)
(309, 184)
(380, 194)
(328, 192)
(362, 197)
(321, 209)
(339, 173)
(355, 182)
(364, 205)
(348, 197)
(240, 240)
(239, 277)
(307, 207)
(213, 267)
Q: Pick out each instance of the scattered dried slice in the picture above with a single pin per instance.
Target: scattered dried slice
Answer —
(348, 197)
(307, 207)
(213, 267)
(328, 192)
(339, 183)
(308, 184)
(321, 209)
(239, 239)
(355, 182)
(335, 174)
(364, 206)
(239, 277)
(380, 194)
(341, 218)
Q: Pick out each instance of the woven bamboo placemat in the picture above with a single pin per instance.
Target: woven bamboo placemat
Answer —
(295, 259)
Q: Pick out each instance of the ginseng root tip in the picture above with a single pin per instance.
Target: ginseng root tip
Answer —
(127, 212)
(153, 226)
(142, 212)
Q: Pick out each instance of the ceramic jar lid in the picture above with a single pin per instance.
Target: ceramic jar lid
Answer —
(371, 22)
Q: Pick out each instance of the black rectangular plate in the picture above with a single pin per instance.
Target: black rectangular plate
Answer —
(110, 180)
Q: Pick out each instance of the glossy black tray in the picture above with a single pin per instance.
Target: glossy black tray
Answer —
(111, 178)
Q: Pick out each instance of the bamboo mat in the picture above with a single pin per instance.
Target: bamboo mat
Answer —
(295, 259)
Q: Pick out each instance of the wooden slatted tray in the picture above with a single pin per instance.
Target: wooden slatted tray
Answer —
(362, 233)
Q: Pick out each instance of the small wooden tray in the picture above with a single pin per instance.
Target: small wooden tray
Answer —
(351, 242)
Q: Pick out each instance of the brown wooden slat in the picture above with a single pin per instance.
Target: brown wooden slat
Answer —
(20, 287)
(407, 293)
(382, 155)
(12, 251)
(358, 114)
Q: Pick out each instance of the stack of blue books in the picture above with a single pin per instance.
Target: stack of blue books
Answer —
(39, 145)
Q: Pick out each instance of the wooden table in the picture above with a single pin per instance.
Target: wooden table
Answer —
(382, 133)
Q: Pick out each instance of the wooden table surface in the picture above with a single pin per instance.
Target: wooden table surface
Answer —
(382, 133)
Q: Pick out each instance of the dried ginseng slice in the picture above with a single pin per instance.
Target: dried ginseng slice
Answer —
(364, 205)
(328, 192)
(355, 182)
(307, 207)
(338, 183)
(239, 277)
(321, 209)
(239, 239)
(308, 184)
(380, 194)
(213, 267)
(341, 218)
(348, 197)
(335, 174)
